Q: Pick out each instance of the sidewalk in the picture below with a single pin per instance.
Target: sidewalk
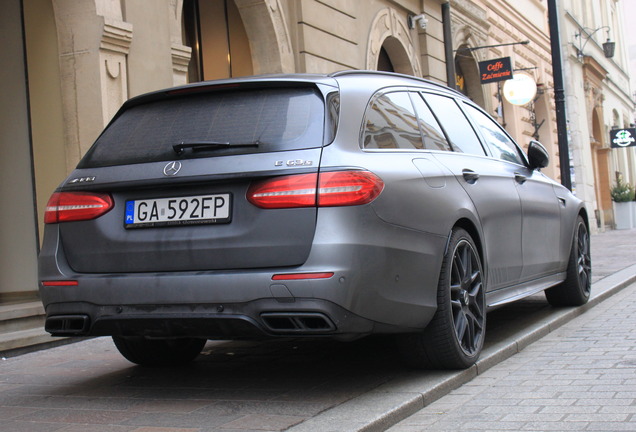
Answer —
(581, 377)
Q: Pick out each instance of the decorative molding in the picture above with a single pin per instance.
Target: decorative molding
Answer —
(116, 36)
(181, 55)
(476, 15)
(388, 23)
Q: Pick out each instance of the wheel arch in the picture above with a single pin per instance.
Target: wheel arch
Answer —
(584, 215)
(474, 232)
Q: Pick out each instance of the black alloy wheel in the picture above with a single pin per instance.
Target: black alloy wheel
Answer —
(467, 298)
(577, 287)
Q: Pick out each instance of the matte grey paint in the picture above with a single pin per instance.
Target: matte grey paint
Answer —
(216, 281)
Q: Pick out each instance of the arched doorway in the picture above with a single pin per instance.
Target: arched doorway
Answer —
(600, 156)
(467, 75)
(220, 46)
(390, 47)
(394, 58)
(231, 38)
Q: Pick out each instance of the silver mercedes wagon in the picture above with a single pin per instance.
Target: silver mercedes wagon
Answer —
(337, 205)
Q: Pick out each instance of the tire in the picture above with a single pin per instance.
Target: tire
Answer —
(159, 352)
(576, 289)
(455, 336)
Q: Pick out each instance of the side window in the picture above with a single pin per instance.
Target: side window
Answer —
(458, 129)
(501, 146)
(390, 123)
(432, 133)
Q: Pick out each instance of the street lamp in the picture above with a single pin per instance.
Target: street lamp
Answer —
(608, 46)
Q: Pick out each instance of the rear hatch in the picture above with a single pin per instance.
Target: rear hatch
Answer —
(178, 166)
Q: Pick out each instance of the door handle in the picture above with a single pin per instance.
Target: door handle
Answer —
(520, 178)
(470, 176)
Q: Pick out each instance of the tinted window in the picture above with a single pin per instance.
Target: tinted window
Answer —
(432, 134)
(279, 119)
(390, 123)
(500, 145)
(457, 128)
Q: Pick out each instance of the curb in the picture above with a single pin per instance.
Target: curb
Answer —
(392, 402)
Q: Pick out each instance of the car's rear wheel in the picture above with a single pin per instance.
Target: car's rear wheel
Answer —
(577, 287)
(159, 352)
(455, 336)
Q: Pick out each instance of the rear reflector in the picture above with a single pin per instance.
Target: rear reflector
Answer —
(328, 189)
(298, 276)
(58, 283)
(76, 206)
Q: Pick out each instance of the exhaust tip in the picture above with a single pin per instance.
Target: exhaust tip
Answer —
(298, 322)
(67, 325)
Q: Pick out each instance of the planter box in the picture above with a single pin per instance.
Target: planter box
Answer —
(624, 215)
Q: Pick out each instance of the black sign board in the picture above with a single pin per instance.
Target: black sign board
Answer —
(620, 138)
(495, 70)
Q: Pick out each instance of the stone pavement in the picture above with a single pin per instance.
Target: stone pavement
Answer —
(581, 377)
(327, 386)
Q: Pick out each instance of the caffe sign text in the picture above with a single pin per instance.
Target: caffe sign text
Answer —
(495, 70)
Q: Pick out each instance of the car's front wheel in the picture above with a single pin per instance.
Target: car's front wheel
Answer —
(159, 352)
(455, 336)
(577, 287)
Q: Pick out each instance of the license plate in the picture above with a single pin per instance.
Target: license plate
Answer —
(190, 210)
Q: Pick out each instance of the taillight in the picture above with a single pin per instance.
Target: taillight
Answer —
(76, 206)
(328, 189)
(346, 188)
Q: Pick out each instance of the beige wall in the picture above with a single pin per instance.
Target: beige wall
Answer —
(18, 228)
(47, 123)
(149, 57)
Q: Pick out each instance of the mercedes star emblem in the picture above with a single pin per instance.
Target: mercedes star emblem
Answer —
(172, 168)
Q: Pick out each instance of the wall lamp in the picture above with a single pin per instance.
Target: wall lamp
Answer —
(608, 46)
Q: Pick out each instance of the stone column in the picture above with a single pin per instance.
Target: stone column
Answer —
(181, 53)
(93, 43)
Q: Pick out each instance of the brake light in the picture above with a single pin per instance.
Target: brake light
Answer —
(328, 189)
(76, 206)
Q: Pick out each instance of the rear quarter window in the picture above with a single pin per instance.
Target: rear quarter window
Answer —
(390, 123)
(278, 119)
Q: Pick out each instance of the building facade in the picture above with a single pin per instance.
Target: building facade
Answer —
(70, 64)
(598, 99)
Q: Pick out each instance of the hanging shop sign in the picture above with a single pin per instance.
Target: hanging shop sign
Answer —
(520, 90)
(620, 138)
(495, 70)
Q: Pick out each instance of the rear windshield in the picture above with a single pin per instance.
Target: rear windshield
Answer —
(255, 121)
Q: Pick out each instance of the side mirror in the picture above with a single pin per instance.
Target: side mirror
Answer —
(537, 155)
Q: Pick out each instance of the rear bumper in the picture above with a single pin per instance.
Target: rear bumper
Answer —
(253, 320)
(384, 281)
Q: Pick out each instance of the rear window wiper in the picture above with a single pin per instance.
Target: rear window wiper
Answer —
(209, 145)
